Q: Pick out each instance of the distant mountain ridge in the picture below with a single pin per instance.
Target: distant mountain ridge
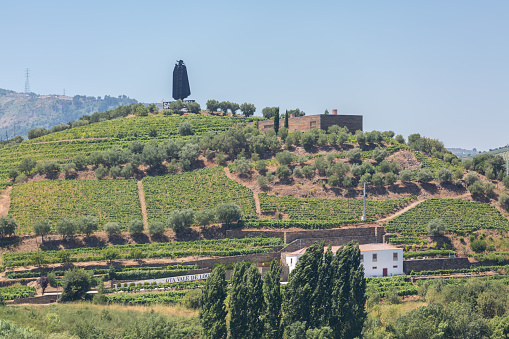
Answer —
(20, 112)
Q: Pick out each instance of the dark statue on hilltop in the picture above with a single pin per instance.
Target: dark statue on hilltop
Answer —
(181, 88)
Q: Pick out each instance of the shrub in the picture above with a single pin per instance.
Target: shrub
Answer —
(503, 200)
(75, 284)
(261, 165)
(297, 172)
(87, 225)
(242, 165)
(42, 228)
(377, 179)
(13, 173)
(444, 175)
(112, 229)
(477, 188)
(262, 181)
(379, 154)
(347, 182)
(228, 213)
(308, 172)
(179, 220)
(478, 245)
(156, 228)
(506, 181)
(66, 227)
(192, 299)
(115, 172)
(436, 227)
(405, 175)
(21, 178)
(390, 178)
(334, 180)
(489, 188)
(135, 227)
(205, 217)
(284, 158)
(424, 175)
(110, 254)
(185, 128)
(354, 155)
(100, 172)
(127, 171)
(471, 178)
(308, 141)
(283, 172)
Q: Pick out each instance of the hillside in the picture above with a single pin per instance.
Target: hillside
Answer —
(103, 197)
(22, 112)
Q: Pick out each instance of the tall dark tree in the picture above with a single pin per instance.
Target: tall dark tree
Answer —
(302, 283)
(286, 119)
(238, 321)
(358, 294)
(213, 308)
(276, 120)
(273, 299)
(255, 303)
(321, 301)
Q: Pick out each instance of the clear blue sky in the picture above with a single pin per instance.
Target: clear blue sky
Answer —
(439, 68)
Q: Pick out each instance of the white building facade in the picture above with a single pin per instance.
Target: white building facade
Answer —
(379, 260)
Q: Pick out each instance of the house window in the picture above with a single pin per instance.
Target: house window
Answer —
(395, 266)
(374, 257)
(312, 124)
(362, 257)
(291, 261)
(374, 267)
(395, 256)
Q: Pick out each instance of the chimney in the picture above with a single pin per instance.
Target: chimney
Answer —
(292, 115)
(334, 112)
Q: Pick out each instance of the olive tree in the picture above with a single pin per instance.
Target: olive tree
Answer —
(228, 213)
(42, 228)
(179, 220)
(436, 227)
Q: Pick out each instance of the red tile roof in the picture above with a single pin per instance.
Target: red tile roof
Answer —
(363, 248)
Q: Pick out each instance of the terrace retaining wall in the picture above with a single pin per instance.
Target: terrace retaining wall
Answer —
(418, 265)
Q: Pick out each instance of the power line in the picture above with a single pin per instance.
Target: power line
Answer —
(27, 83)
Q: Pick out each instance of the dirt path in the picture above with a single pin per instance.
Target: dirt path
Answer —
(255, 191)
(82, 139)
(141, 195)
(5, 201)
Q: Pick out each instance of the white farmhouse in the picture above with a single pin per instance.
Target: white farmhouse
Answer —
(379, 260)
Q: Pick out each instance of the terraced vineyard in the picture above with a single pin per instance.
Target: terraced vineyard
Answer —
(461, 216)
(56, 199)
(203, 188)
(17, 292)
(142, 127)
(61, 152)
(169, 297)
(204, 248)
(343, 211)
(401, 284)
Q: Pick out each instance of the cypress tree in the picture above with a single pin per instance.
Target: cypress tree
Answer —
(213, 309)
(302, 283)
(255, 303)
(273, 299)
(358, 295)
(321, 299)
(276, 120)
(238, 322)
(286, 119)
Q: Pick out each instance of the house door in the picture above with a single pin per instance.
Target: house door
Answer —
(384, 272)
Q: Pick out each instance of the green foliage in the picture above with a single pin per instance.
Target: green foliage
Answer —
(273, 299)
(27, 165)
(156, 228)
(112, 229)
(478, 245)
(228, 213)
(42, 228)
(135, 227)
(461, 216)
(213, 308)
(445, 175)
(199, 189)
(477, 188)
(66, 227)
(503, 200)
(242, 165)
(247, 109)
(88, 224)
(471, 178)
(17, 292)
(110, 254)
(185, 128)
(7, 226)
(75, 284)
(205, 217)
(354, 155)
(424, 175)
(436, 227)
(283, 172)
(180, 220)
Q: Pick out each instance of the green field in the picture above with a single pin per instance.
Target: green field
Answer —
(56, 199)
(461, 216)
(332, 210)
(200, 189)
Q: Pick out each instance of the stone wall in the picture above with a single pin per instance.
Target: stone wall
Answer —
(369, 234)
(352, 122)
(257, 257)
(418, 265)
(320, 121)
(42, 299)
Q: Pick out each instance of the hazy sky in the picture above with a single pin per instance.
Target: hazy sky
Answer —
(439, 68)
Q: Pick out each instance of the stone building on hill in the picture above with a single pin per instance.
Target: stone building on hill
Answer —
(320, 121)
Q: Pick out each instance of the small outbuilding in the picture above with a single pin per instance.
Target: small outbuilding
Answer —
(379, 260)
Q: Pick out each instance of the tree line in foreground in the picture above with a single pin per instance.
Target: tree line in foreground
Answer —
(324, 298)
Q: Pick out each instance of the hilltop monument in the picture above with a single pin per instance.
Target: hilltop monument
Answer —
(181, 88)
